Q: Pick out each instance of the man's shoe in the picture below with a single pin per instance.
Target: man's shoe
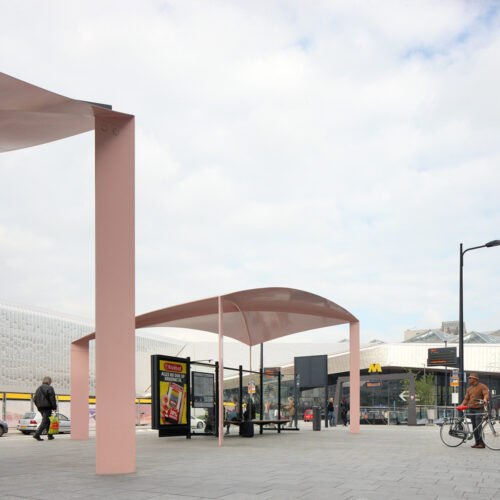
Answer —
(480, 445)
(50, 437)
(38, 438)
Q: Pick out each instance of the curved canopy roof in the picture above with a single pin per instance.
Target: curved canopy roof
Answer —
(30, 115)
(250, 316)
(253, 316)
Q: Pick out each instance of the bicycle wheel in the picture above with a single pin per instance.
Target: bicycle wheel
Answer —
(448, 430)
(491, 434)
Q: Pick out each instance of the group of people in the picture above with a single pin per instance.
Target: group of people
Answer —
(343, 408)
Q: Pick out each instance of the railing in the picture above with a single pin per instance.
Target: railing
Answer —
(385, 415)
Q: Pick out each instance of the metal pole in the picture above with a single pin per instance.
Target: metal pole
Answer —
(240, 407)
(217, 389)
(446, 383)
(221, 374)
(461, 327)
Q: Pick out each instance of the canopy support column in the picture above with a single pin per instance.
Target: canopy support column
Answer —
(354, 377)
(221, 374)
(115, 295)
(79, 374)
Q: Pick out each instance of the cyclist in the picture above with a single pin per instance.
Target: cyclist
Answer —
(477, 390)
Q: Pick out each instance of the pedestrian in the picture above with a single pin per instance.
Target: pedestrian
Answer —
(331, 413)
(233, 415)
(344, 407)
(290, 408)
(45, 401)
(477, 390)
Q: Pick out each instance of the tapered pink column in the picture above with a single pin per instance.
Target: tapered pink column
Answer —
(115, 314)
(354, 378)
(221, 374)
(80, 389)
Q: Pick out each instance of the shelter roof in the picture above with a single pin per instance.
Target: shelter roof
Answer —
(253, 316)
(30, 115)
(250, 316)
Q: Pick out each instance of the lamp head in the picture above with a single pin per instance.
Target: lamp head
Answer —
(493, 243)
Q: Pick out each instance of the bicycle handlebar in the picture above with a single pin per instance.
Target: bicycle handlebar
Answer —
(465, 407)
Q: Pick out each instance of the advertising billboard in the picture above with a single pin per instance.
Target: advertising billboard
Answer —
(170, 396)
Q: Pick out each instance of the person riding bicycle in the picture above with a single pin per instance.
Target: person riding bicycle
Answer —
(477, 390)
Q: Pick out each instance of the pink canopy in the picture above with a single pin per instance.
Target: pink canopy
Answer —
(253, 316)
(29, 116)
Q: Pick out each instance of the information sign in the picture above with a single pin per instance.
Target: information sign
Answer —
(203, 390)
(454, 381)
(251, 387)
(374, 384)
(442, 356)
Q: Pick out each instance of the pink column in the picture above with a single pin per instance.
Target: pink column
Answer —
(221, 374)
(80, 390)
(115, 295)
(354, 378)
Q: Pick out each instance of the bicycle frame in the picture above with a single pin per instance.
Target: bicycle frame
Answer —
(466, 420)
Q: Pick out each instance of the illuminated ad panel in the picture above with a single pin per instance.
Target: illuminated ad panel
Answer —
(170, 395)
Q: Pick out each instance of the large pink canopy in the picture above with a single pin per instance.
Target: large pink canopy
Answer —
(253, 316)
(30, 115)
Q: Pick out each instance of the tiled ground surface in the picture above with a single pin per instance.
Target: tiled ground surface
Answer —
(394, 462)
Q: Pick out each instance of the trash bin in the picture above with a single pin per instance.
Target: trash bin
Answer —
(316, 418)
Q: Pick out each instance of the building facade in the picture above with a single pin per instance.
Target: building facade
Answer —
(36, 343)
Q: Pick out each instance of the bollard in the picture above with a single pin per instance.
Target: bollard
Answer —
(316, 418)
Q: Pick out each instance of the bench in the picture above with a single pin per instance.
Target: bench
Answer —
(262, 423)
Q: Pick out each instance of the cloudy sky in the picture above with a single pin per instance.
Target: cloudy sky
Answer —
(344, 148)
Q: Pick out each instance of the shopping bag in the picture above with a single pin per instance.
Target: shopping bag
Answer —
(54, 424)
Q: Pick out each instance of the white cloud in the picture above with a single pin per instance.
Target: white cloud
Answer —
(342, 148)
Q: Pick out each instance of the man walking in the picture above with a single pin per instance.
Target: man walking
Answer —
(45, 401)
(476, 391)
(344, 408)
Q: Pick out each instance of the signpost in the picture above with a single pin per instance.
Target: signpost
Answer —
(444, 356)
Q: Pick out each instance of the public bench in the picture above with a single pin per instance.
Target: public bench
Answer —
(262, 423)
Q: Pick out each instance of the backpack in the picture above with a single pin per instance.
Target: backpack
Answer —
(40, 399)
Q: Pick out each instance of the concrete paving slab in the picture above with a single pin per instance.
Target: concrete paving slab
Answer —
(393, 462)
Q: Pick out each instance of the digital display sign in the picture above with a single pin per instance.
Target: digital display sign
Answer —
(442, 356)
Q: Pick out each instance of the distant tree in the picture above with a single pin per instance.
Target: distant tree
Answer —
(425, 392)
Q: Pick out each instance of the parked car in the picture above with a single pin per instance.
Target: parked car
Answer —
(308, 415)
(196, 424)
(29, 423)
(4, 428)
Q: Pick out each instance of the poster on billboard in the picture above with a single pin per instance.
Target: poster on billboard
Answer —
(170, 395)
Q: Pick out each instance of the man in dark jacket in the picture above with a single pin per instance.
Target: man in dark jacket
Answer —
(45, 401)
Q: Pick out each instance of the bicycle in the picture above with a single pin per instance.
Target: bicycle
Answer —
(455, 430)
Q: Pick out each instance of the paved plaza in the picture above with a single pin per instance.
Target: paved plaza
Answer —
(380, 463)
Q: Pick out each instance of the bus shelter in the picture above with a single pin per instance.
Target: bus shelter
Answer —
(250, 316)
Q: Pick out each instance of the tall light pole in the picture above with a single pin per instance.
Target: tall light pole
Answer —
(493, 243)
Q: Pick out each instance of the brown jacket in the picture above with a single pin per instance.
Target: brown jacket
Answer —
(479, 391)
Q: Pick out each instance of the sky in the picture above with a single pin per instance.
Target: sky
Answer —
(343, 148)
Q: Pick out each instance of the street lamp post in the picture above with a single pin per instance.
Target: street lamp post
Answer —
(492, 243)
